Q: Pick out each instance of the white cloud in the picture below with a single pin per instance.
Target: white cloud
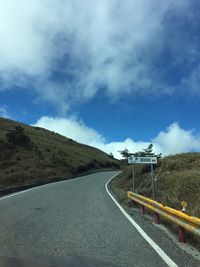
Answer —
(70, 49)
(4, 112)
(71, 128)
(176, 139)
(171, 141)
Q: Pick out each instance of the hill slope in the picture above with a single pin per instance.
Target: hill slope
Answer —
(31, 154)
(177, 179)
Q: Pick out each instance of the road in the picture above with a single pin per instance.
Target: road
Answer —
(76, 219)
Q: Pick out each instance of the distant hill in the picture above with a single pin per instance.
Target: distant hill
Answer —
(177, 178)
(32, 154)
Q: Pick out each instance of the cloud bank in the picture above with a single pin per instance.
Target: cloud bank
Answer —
(172, 140)
(67, 51)
(4, 112)
(71, 128)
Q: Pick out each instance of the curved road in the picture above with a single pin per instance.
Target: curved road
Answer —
(74, 218)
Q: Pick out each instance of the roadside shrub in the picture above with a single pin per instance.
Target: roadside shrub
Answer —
(18, 137)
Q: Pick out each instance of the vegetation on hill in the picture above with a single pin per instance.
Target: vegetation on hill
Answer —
(177, 178)
(31, 154)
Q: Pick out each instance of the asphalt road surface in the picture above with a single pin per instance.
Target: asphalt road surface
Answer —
(76, 220)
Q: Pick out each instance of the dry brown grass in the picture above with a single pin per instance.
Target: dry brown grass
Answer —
(177, 179)
(50, 156)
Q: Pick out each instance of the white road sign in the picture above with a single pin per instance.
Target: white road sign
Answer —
(131, 160)
(142, 160)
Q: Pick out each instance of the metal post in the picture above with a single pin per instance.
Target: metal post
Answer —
(133, 177)
(181, 234)
(153, 184)
(156, 218)
(142, 209)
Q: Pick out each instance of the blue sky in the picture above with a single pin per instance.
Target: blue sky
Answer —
(112, 74)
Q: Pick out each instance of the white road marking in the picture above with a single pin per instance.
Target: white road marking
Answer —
(26, 190)
(157, 249)
(18, 193)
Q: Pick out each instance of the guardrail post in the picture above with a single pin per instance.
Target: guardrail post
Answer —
(181, 234)
(142, 209)
(184, 221)
(156, 218)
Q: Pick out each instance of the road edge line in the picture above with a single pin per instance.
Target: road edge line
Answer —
(18, 193)
(157, 249)
(45, 184)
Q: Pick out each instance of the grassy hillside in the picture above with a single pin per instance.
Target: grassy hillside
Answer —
(177, 179)
(30, 154)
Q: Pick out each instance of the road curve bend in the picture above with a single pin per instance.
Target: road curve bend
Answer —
(74, 219)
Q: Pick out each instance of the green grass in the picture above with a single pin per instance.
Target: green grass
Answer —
(177, 179)
(50, 156)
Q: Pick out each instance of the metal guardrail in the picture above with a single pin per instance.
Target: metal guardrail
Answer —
(184, 221)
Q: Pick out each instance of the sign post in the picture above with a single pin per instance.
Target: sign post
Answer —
(143, 160)
(133, 177)
(131, 161)
(153, 182)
